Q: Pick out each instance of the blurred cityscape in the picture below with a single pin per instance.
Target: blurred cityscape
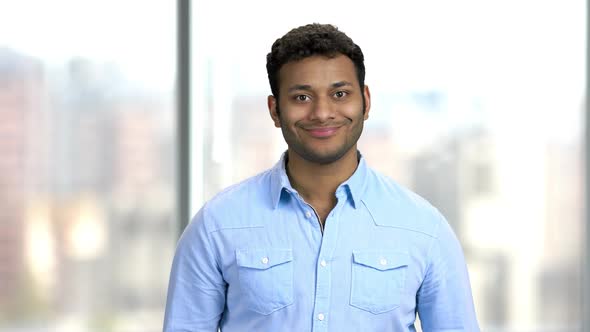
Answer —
(87, 197)
(484, 119)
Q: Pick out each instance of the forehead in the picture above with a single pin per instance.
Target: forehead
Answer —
(317, 71)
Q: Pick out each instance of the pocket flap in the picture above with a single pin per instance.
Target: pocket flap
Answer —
(381, 260)
(263, 259)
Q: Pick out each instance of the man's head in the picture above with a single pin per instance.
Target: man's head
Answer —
(319, 97)
(310, 40)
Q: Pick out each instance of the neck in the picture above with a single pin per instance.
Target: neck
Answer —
(317, 182)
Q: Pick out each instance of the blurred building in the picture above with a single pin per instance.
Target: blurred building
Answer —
(562, 269)
(119, 190)
(86, 192)
(22, 96)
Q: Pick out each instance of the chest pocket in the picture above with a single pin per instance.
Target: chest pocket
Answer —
(266, 278)
(378, 280)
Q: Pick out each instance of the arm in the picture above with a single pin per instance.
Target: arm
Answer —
(444, 300)
(196, 292)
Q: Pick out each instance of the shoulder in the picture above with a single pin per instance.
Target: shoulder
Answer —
(393, 205)
(251, 189)
(231, 207)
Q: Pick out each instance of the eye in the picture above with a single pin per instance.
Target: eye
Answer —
(302, 98)
(340, 94)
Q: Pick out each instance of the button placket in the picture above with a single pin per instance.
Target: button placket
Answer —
(324, 269)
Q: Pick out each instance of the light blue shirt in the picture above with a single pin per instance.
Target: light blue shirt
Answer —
(255, 258)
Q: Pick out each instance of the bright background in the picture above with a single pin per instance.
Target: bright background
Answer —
(477, 105)
(87, 164)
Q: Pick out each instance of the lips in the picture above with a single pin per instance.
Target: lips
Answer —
(322, 132)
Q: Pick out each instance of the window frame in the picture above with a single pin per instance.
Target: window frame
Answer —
(183, 104)
(586, 146)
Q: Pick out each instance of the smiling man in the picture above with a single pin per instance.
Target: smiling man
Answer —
(319, 242)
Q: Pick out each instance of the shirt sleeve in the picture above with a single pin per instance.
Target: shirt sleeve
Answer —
(444, 300)
(196, 291)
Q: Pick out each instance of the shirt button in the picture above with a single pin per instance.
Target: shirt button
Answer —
(321, 316)
(264, 260)
(323, 263)
(308, 214)
(383, 261)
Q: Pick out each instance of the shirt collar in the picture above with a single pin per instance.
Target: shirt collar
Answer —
(354, 187)
(279, 181)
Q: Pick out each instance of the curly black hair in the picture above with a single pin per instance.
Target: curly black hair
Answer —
(309, 40)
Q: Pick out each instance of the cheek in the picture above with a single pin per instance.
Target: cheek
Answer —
(289, 117)
(353, 112)
(287, 123)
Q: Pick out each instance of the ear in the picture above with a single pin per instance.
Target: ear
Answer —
(272, 109)
(367, 94)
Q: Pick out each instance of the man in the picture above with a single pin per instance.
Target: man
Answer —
(320, 242)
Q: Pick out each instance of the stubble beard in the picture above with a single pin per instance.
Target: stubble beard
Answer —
(329, 157)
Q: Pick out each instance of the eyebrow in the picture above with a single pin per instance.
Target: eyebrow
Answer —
(341, 84)
(307, 87)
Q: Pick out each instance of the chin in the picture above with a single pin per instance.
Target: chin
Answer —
(323, 158)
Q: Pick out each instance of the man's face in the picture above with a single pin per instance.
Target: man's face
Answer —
(320, 107)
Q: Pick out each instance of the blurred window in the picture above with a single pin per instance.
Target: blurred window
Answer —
(87, 164)
(477, 106)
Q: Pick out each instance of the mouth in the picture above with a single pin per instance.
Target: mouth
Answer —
(322, 132)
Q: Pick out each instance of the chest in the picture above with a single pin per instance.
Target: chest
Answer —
(298, 238)
(285, 259)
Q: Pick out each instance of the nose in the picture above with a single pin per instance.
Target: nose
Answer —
(322, 110)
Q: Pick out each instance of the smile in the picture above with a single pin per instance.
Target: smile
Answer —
(322, 132)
